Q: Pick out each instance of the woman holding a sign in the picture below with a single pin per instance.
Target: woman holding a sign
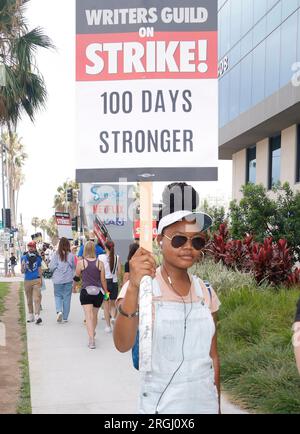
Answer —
(185, 364)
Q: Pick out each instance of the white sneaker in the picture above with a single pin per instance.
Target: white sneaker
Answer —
(108, 329)
(59, 317)
(92, 345)
(30, 318)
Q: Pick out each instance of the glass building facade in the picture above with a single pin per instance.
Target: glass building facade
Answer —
(251, 165)
(259, 42)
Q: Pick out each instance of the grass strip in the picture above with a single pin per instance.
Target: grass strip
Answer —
(24, 404)
(4, 290)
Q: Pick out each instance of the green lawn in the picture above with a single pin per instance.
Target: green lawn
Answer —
(24, 404)
(4, 289)
(257, 360)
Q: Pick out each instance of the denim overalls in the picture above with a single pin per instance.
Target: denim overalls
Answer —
(192, 390)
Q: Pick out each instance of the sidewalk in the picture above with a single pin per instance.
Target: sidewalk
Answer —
(67, 377)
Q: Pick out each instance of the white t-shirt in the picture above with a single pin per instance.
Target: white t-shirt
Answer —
(108, 274)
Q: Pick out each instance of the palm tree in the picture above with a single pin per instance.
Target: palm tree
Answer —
(35, 221)
(60, 199)
(15, 161)
(44, 226)
(24, 90)
(52, 230)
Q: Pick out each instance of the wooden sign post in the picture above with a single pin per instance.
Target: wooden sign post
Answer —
(146, 215)
(145, 296)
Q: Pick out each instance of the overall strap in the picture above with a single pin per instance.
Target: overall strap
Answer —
(156, 288)
(209, 288)
(198, 287)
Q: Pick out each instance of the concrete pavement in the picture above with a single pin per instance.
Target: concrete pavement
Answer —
(67, 377)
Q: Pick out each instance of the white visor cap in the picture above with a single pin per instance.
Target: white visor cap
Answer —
(203, 220)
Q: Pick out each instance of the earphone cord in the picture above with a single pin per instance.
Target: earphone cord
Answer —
(183, 341)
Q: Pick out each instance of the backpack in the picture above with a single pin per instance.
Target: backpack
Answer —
(136, 347)
(32, 259)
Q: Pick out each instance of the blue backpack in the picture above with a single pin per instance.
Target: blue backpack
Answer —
(136, 347)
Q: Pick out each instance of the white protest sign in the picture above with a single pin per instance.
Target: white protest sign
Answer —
(64, 225)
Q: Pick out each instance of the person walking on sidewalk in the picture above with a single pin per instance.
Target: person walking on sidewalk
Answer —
(62, 266)
(112, 266)
(94, 287)
(99, 249)
(13, 263)
(185, 375)
(31, 268)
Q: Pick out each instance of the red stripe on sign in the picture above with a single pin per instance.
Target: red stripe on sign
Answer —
(179, 55)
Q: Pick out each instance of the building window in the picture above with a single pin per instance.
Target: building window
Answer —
(251, 165)
(274, 162)
(298, 155)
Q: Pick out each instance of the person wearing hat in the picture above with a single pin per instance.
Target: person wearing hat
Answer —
(185, 377)
(99, 249)
(32, 270)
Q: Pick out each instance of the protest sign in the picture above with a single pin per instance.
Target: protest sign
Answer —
(147, 90)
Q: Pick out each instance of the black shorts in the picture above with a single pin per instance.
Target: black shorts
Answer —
(113, 289)
(95, 300)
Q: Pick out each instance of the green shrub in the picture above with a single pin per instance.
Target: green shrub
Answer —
(262, 216)
(4, 289)
(254, 334)
(222, 279)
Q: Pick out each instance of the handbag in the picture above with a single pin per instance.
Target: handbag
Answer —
(93, 290)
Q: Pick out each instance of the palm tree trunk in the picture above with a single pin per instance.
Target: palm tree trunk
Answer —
(11, 192)
(16, 205)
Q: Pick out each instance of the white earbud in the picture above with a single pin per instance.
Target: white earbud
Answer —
(160, 243)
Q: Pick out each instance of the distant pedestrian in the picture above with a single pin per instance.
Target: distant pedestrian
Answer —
(93, 288)
(99, 249)
(49, 252)
(31, 268)
(62, 266)
(132, 249)
(296, 339)
(13, 263)
(74, 250)
(112, 267)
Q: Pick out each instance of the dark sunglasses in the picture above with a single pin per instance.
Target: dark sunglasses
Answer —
(177, 241)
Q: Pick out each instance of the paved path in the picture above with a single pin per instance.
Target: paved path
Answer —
(67, 377)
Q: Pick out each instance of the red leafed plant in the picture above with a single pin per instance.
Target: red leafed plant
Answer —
(233, 253)
(268, 261)
(271, 261)
(293, 278)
